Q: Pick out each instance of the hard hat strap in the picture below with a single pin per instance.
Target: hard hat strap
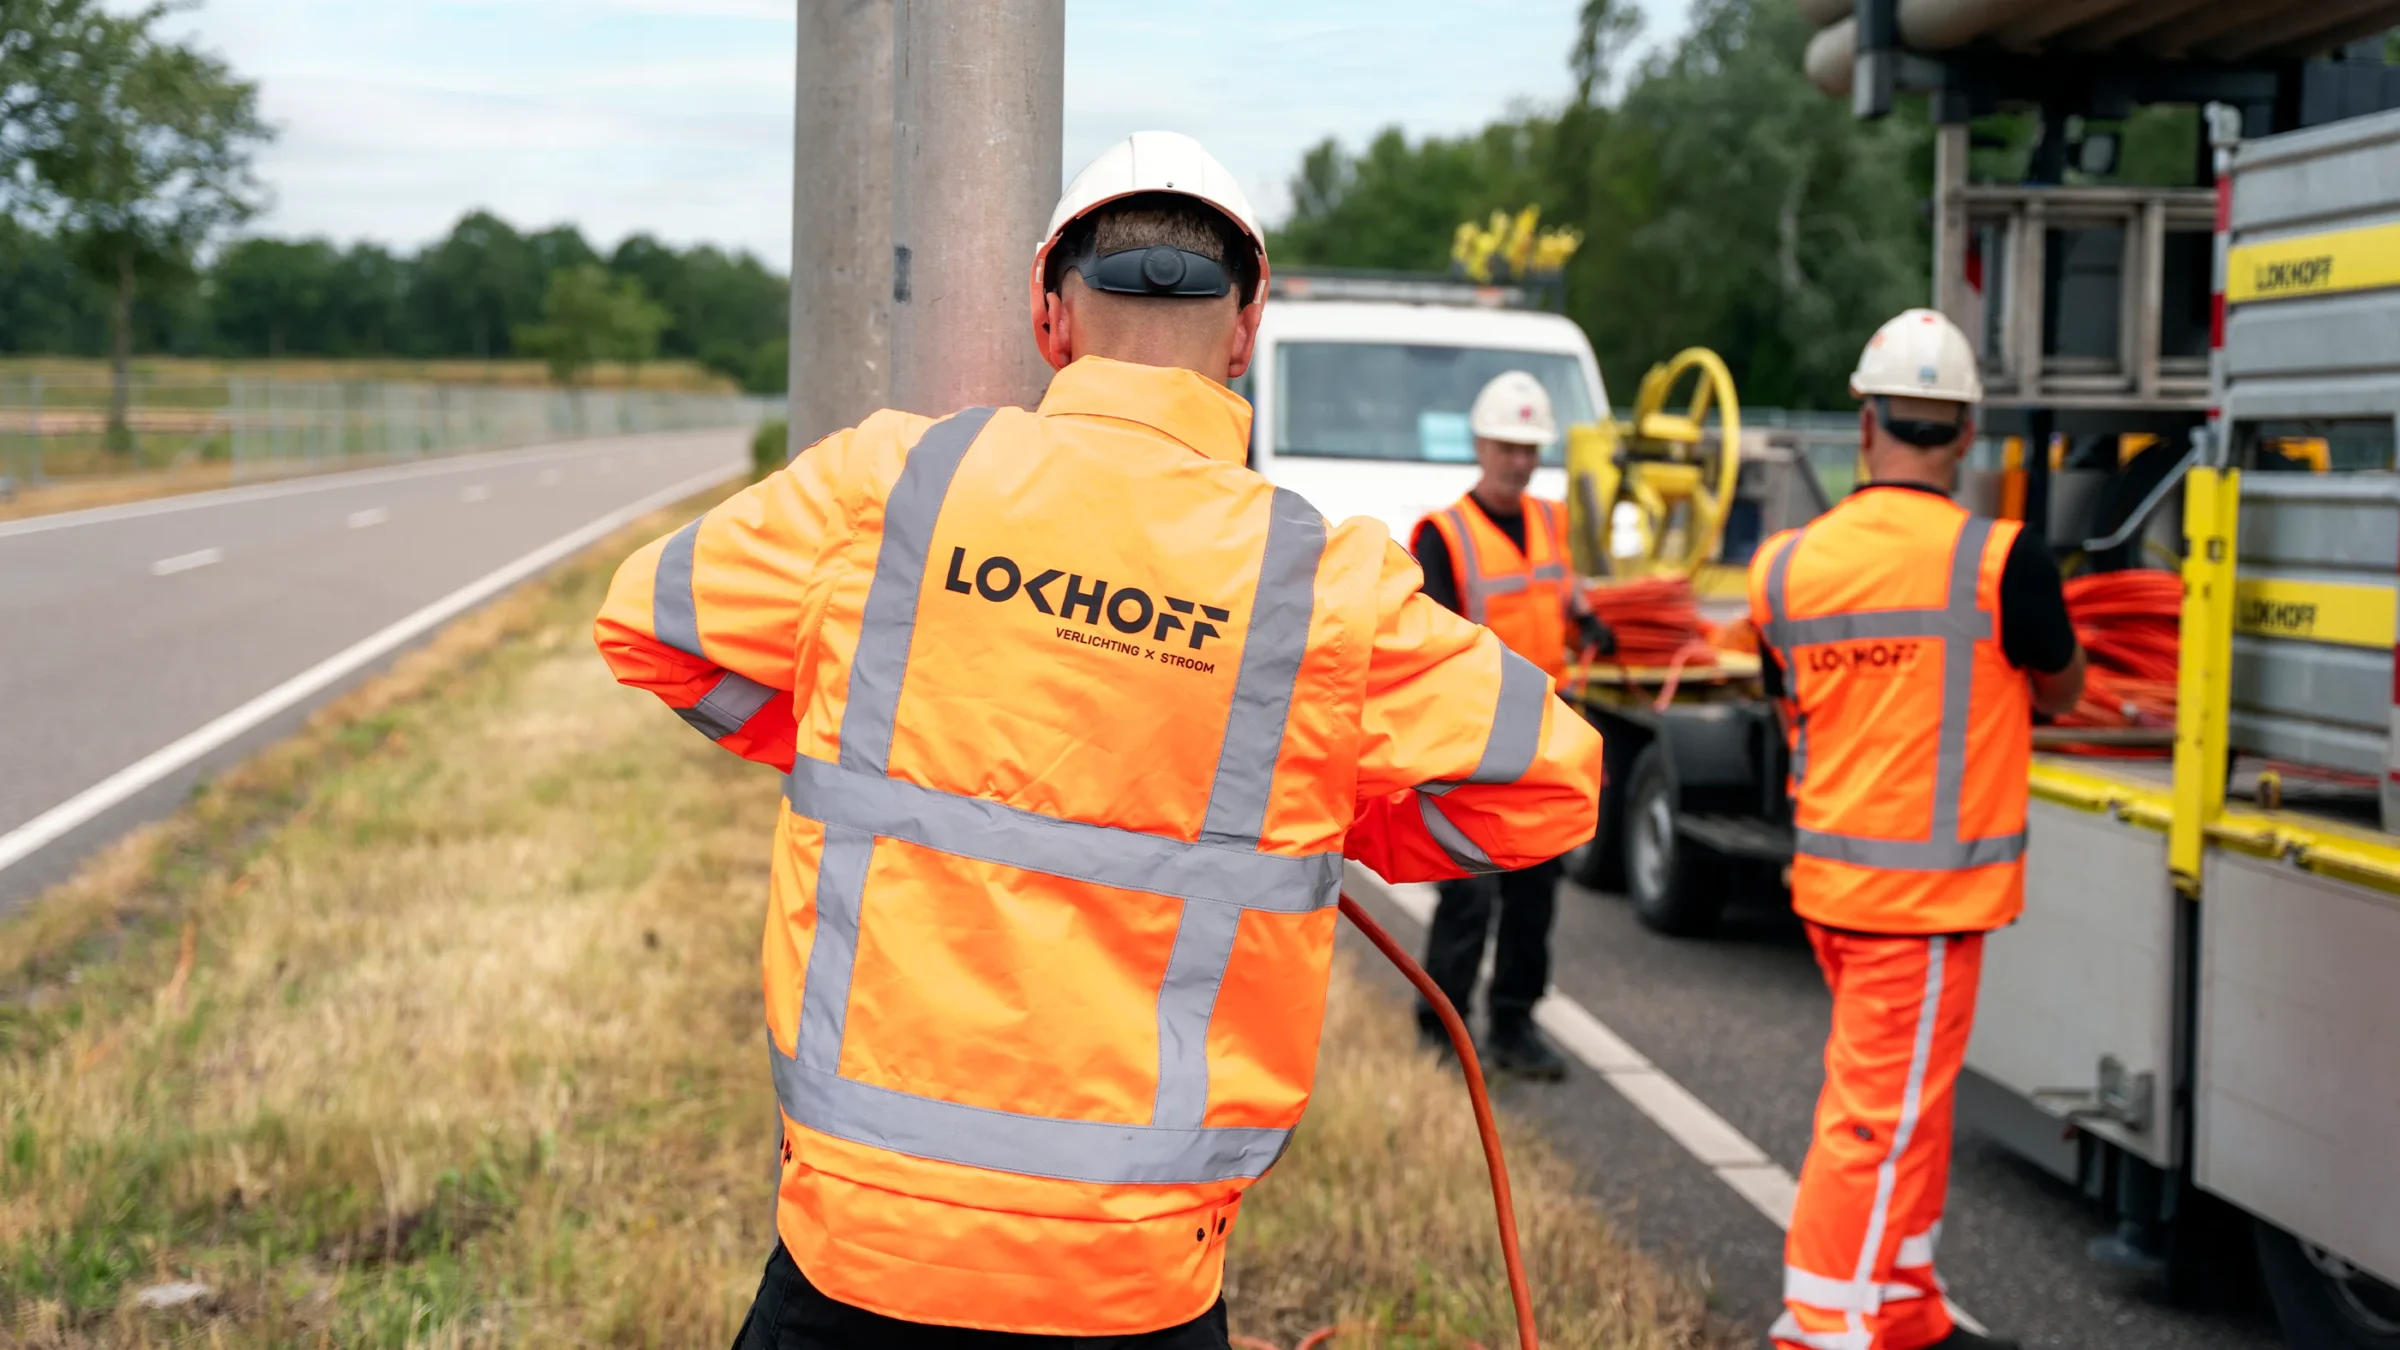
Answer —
(1155, 270)
(1922, 433)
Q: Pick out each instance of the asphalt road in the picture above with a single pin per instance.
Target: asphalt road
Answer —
(129, 628)
(1739, 1020)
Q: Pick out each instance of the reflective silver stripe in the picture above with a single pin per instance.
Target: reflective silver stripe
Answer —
(876, 669)
(1883, 623)
(1187, 1000)
(1514, 584)
(1958, 681)
(1516, 734)
(1917, 1249)
(833, 955)
(1272, 645)
(1470, 585)
(674, 617)
(1957, 626)
(727, 707)
(1799, 747)
(890, 620)
(1832, 1295)
(1787, 1328)
(1910, 855)
(1912, 1096)
(1550, 572)
(1129, 860)
(1778, 632)
(1003, 1141)
(1454, 841)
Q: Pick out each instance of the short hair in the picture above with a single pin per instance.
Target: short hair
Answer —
(1148, 219)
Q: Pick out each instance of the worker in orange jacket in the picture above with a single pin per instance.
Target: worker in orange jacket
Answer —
(1079, 718)
(1499, 557)
(1910, 643)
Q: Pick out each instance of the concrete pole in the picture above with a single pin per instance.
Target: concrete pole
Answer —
(841, 217)
(977, 93)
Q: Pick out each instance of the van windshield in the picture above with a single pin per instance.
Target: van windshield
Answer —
(1388, 400)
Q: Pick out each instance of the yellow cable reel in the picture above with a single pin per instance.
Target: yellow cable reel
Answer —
(1675, 471)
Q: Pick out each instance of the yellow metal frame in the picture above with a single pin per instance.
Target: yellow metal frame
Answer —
(2203, 675)
(2192, 810)
(2088, 787)
(1656, 460)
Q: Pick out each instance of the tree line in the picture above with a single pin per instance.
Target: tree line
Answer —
(484, 290)
(1723, 200)
(126, 174)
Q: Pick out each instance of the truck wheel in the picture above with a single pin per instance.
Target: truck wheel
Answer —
(2324, 1302)
(1600, 864)
(1665, 877)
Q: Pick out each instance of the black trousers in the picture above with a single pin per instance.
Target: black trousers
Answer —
(1462, 923)
(792, 1314)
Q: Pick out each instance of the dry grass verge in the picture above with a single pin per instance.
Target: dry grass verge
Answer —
(438, 1026)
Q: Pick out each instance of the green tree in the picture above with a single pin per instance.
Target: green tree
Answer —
(145, 157)
(729, 309)
(1723, 202)
(46, 305)
(473, 289)
(272, 296)
(589, 316)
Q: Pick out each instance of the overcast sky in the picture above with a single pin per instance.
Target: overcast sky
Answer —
(674, 116)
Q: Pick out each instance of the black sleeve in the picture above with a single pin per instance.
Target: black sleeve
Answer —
(1433, 556)
(2035, 632)
(1770, 671)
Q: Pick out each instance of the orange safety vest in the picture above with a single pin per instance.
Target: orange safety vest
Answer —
(1082, 717)
(1520, 594)
(1911, 734)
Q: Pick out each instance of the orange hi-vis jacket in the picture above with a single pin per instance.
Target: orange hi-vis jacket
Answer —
(1080, 717)
(1911, 733)
(1520, 594)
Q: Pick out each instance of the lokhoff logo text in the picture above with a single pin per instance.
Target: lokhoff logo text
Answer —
(1129, 609)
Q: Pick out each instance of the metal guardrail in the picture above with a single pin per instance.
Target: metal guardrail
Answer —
(54, 427)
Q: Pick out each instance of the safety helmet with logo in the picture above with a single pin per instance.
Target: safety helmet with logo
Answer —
(1919, 354)
(1513, 407)
(1145, 162)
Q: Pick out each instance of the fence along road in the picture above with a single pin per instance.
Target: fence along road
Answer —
(164, 640)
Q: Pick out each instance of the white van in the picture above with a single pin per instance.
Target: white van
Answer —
(1361, 388)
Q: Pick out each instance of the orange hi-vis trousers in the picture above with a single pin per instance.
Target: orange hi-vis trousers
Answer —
(1858, 1264)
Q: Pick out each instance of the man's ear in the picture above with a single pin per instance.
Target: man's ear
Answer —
(1245, 337)
(1056, 333)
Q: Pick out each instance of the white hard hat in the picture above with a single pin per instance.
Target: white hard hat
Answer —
(1515, 408)
(1920, 354)
(1149, 161)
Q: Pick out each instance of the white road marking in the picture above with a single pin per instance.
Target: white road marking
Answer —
(84, 806)
(475, 492)
(324, 482)
(1686, 1119)
(373, 515)
(550, 477)
(185, 562)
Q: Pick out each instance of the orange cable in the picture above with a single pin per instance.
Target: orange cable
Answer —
(2129, 626)
(1486, 1125)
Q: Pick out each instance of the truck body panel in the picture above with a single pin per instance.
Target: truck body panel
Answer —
(2297, 1092)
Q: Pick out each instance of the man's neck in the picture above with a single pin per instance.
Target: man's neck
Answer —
(1913, 480)
(1495, 504)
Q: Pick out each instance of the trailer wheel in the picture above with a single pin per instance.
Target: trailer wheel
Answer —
(1665, 877)
(2324, 1302)
(1600, 864)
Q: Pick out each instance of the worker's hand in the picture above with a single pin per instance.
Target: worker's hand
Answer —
(1598, 638)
